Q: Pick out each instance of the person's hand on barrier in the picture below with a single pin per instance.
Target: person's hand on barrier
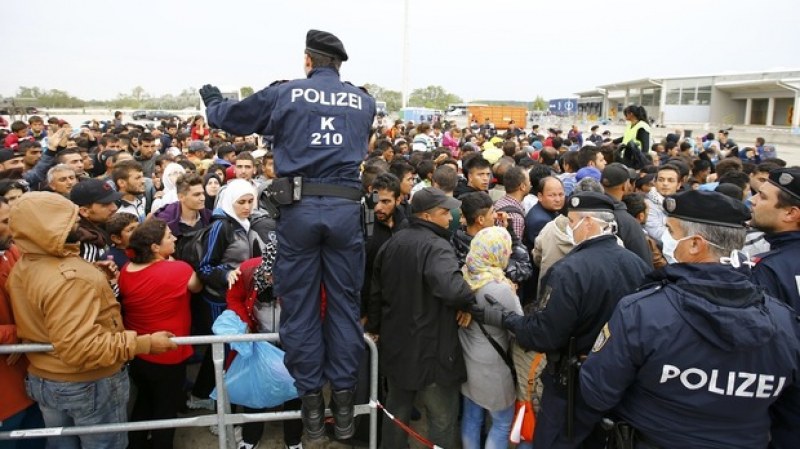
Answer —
(210, 95)
(160, 342)
(12, 359)
(233, 276)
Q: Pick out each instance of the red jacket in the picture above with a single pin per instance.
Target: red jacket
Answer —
(12, 378)
(242, 295)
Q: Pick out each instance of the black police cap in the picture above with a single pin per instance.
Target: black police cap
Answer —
(706, 207)
(787, 179)
(591, 201)
(325, 43)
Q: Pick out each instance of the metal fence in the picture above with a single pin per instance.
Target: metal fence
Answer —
(224, 419)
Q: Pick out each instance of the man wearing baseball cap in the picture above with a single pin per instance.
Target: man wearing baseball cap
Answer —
(419, 290)
(616, 180)
(776, 212)
(96, 202)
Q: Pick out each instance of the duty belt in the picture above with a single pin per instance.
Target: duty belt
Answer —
(339, 191)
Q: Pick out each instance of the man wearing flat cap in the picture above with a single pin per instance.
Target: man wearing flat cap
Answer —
(577, 297)
(321, 128)
(417, 311)
(776, 212)
(700, 356)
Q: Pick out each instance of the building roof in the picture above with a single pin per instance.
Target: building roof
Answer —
(643, 83)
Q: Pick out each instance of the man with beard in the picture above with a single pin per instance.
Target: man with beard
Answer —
(96, 202)
(389, 219)
(129, 179)
(776, 211)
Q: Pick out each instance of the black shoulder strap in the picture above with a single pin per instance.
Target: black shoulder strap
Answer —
(505, 355)
(512, 208)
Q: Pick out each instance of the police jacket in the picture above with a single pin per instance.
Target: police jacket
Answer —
(419, 287)
(699, 360)
(578, 294)
(320, 125)
(778, 271)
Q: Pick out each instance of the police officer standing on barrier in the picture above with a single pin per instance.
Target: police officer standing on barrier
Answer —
(702, 357)
(321, 127)
(578, 295)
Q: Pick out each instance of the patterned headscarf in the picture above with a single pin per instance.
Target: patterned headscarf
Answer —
(267, 263)
(488, 257)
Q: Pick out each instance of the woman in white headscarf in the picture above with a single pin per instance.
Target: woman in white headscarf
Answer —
(230, 242)
(171, 174)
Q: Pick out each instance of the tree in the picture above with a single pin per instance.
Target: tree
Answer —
(434, 97)
(539, 104)
(246, 91)
(138, 93)
(393, 98)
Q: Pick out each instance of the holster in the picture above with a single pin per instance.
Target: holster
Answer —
(285, 191)
(620, 434)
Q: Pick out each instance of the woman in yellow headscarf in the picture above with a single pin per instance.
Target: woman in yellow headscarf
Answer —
(489, 384)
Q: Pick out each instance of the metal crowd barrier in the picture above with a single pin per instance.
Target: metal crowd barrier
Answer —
(224, 419)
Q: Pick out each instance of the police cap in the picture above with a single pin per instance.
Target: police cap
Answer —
(325, 43)
(707, 207)
(787, 179)
(591, 201)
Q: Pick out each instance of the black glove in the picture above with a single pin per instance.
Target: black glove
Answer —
(210, 95)
(492, 314)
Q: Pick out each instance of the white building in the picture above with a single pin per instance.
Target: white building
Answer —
(766, 98)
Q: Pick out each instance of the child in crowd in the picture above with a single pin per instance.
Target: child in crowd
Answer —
(120, 227)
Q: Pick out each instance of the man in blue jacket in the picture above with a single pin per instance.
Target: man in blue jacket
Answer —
(701, 357)
(776, 211)
(321, 127)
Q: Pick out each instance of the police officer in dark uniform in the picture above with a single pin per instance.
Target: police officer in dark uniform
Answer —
(321, 127)
(701, 358)
(776, 212)
(578, 296)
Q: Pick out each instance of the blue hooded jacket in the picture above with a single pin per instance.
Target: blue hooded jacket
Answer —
(701, 359)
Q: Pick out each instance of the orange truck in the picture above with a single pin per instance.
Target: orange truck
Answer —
(499, 115)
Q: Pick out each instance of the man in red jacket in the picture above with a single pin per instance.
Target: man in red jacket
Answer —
(17, 411)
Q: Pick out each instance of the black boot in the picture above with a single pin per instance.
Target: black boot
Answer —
(342, 408)
(313, 415)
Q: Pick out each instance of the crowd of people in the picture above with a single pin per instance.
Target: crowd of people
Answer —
(487, 250)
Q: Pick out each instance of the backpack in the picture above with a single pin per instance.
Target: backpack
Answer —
(192, 246)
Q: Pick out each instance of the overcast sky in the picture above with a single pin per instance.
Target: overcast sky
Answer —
(498, 49)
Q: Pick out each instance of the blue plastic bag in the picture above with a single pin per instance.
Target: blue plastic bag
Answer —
(257, 378)
(229, 323)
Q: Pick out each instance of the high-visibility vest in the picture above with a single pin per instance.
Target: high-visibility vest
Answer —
(630, 134)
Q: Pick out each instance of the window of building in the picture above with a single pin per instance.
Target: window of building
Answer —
(704, 95)
(674, 96)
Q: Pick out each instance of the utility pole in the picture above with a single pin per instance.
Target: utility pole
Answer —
(406, 52)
